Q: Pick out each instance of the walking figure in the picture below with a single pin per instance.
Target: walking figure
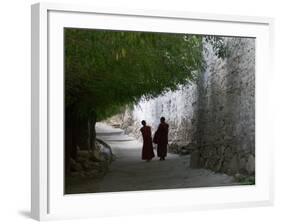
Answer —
(161, 138)
(147, 149)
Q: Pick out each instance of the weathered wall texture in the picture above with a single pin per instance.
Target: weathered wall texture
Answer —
(215, 117)
(178, 109)
(226, 109)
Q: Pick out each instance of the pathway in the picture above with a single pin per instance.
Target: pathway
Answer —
(129, 172)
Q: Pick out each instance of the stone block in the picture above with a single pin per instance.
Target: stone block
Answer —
(250, 165)
(234, 165)
(194, 159)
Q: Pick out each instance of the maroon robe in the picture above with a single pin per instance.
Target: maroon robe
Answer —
(147, 149)
(161, 139)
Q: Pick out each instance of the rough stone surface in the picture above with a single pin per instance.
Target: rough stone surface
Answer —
(226, 108)
(250, 165)
(194, 159)
(91, 163)
(75, 166)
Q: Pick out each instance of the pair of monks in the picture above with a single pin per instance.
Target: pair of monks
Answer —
(160, 138)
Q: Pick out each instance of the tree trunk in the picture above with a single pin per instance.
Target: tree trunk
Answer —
(67, 149)
(71, 136)
(68, 140)
(77, 132)
(92, 131)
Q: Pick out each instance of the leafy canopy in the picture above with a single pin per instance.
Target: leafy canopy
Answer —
(105, 70)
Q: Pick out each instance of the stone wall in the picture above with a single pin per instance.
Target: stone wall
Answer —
(213, 118)
(178, 107)
(226, 109)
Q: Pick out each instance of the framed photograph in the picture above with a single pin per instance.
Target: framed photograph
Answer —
(138, 111)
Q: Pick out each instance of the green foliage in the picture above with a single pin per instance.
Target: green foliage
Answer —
(245, 180)
(105, 70)
(218, 45)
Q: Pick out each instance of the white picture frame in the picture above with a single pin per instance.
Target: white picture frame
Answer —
(48, 201)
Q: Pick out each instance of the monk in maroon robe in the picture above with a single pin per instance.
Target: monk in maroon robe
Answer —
(161, 139)
(147, 149)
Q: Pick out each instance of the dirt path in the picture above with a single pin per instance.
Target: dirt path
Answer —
(129, 172)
